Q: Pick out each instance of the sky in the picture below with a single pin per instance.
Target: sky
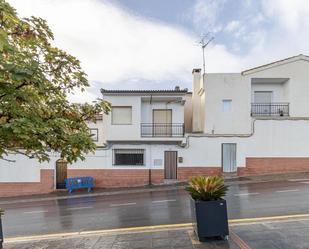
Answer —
(154, 44)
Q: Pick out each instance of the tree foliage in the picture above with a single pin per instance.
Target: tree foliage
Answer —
(210, 188)
(35, 78)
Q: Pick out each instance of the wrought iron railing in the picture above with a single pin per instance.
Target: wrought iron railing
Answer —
(162, 130)
(270, 109)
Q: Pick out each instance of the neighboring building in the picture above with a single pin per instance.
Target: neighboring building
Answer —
(255, 122)
(250, 123)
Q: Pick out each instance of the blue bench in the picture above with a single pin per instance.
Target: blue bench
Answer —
(79, 182)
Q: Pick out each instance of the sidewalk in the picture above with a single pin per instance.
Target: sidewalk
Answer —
(106, 192)
(271, 234)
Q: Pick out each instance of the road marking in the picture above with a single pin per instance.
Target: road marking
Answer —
(287, 190)
(242, 244)
(36, 212)
(305, 182)
(123, 204)
(160, 201)
(246, 194)
(78, 208)
(298, 179)
(233, 222)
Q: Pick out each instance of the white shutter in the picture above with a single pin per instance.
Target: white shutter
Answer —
(263, 97)
(122, 115)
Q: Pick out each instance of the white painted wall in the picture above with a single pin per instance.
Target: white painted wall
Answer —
(297, 88)
(123, 132)
(239, 89)
(272, 138)
(23, 169)
(278, 91)
(219, 87)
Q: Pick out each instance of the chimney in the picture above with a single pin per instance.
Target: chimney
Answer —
(197, 84)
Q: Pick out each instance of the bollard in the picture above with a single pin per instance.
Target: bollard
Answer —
(1, 231)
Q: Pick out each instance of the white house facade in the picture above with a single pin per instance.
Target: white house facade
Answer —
(251, 123)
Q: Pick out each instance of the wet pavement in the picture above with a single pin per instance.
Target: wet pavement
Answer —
(282, 234)
(151, 208)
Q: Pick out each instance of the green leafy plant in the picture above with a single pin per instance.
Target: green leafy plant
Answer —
(207, 188)
(1, 212)
(36, 78)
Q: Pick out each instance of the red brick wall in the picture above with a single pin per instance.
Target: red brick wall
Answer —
(273, 165)
(108, 178)
(185, 173)
(46, 185)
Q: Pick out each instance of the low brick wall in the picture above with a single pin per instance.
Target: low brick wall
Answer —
(109, 178)
(273, 165)
(46, 185)
(185, 173)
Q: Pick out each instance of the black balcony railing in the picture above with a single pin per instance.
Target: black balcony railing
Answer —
(162, 130)
(270, 109)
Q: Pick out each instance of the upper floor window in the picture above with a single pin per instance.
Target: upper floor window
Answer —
(94, 133)
(227, 105)
(121, 115)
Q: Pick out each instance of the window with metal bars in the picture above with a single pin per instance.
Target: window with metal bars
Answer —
(128, 157)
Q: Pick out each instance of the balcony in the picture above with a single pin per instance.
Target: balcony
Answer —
(269, 109)
(162, 130)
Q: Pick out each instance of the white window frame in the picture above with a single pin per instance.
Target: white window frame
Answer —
(124, 107)
(224, 107)
(94, 134)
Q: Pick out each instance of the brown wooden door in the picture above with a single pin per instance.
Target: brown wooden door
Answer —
(170, 164)
(61, 173)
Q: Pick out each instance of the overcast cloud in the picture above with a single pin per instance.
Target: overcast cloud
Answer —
(121, 48)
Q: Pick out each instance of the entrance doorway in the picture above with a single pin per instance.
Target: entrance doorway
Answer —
(170, 165)
(229, 157)
(61, 173)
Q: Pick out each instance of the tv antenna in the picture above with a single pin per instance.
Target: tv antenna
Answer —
(204, 43)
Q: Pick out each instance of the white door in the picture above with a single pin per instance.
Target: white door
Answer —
(263, 97)
(263, 100)
(229, 157)
(162, 122)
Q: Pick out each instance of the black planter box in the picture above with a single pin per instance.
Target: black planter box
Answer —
(210, 219)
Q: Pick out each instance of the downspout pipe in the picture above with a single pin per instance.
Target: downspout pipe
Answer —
(245, 135)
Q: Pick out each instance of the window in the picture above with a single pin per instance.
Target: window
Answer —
(121, 115)
(128, 157)
(94, 133)
(227, 105)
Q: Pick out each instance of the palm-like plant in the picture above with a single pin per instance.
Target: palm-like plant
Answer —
(207, 188)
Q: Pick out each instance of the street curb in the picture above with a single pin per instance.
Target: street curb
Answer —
(147, 190)
(154, 228)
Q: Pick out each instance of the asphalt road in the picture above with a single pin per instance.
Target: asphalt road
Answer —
(154, 208)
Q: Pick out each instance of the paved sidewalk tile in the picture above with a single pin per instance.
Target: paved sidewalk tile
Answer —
(268, 235)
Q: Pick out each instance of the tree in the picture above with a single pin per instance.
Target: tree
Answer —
(35, 78)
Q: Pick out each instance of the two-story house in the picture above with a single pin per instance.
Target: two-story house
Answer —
(255, 122)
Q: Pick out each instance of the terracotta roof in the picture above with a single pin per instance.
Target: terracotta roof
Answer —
(279, 62)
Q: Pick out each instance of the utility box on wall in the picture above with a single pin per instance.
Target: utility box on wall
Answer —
(180, 159)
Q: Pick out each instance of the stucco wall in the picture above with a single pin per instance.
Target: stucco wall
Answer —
(272, 138)
(219, 87)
